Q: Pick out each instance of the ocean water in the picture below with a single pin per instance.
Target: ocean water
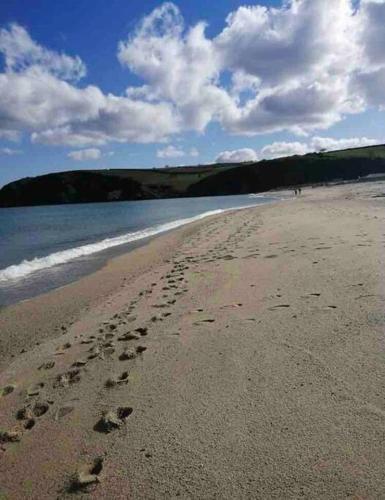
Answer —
(42, 248)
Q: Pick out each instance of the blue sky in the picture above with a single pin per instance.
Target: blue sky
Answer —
(275, 78)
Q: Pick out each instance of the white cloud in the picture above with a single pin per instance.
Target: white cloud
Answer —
(179, 65)
(331, 144)
(301, 38)
(85, 154)
(292, 67)
(301, 66)
(175, 152)
(282, 149)
(34, 97)
(59, 113)
(21, 52)
(10, 151)
(170, 152)
(237, 156)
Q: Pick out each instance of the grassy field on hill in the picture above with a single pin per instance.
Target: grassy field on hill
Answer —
(89, 186)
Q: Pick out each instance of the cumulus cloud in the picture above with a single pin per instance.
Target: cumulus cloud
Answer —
(331, 144)
(284, 149)
(21, 52)
(170, 152)
(175, 152)
(237, 156)
(301, 66)
(179, 65)
(85, 154)
(35, 97)
(280, 44)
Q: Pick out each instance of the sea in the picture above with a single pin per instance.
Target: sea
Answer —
(46, 247)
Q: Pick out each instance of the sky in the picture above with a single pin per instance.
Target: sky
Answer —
(87, 84)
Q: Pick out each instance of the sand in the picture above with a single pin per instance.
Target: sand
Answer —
(239, 357)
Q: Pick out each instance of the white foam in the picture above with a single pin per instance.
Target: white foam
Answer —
(17, 271)
(27, 267)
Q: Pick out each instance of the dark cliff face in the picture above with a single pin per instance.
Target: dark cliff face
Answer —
(120, 185)
(69, 187)
(288, 172)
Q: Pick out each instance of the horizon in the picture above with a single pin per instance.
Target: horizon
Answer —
(165, 85)
(199, 165)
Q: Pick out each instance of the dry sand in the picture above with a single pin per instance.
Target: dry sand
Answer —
(239, 357)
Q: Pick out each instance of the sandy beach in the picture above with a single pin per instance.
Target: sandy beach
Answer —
(242, 356)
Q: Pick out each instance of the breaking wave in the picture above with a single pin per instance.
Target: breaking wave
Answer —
(27, 267)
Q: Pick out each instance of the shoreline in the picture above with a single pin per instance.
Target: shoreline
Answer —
(97, 254)
(238, 357)
(55, 310)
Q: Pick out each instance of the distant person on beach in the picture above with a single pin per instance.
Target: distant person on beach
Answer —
(299, 191)
(295, 192)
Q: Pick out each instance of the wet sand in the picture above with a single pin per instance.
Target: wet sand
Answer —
(238, 357)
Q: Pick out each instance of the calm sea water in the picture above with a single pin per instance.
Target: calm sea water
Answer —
(42, 248)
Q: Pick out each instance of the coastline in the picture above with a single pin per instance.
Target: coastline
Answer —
(247, 349)
(55, 265)
(48, 314)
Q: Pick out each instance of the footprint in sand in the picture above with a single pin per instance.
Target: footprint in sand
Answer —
(79, 362)
(88, 474)
(128, 336)
(40, 408)
(121, 379)
(280, 306)
(8, 389)
(68, 378)
(34, 390)
(47, 366)
(113, 419)
(63, 411)
(143, 331)
(94, 352)
(11, 436)
(127, 354)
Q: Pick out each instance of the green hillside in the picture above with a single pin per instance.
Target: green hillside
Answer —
(203, 180)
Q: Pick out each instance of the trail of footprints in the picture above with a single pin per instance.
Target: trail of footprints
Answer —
(113, 344)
